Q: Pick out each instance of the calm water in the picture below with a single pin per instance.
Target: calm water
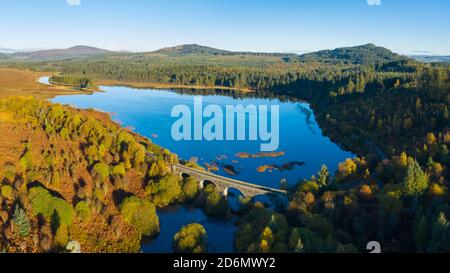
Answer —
(220, 233)
(148, 112)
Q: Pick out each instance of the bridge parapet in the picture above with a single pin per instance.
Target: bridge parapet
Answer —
(224, 183)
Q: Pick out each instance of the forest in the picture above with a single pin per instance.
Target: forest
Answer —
(77, 82)
(75, 176)
(391, 110)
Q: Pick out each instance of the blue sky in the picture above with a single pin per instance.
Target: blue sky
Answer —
(405, 26)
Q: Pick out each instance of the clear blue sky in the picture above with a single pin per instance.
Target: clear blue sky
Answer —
(405, 26)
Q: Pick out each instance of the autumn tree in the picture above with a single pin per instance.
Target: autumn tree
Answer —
(164, 191)
(141, 214)
(415, 182)
(190, 239)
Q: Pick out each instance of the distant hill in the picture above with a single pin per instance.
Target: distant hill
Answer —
(194, 49)
(61, 54)
(431, 58)
(8, 50)
(3, 56)
(368, 54)
(191, 49)
(364, 54)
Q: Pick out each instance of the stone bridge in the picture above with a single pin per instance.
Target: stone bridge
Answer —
(223, 184)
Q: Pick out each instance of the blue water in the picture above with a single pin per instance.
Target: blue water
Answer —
(148, 112)
(220, 233)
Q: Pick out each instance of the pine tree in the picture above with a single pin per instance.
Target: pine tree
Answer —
(351, 86)
(21, 219)
(416, 180)
(418, 104)
(299, 246)
(445, 113)
(323, 177)
(295, 242)
(440, 238)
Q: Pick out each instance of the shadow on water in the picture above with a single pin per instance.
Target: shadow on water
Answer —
(275, 201)
(220, 233)
(309, 121)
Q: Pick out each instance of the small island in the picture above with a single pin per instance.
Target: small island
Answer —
(244, 155)
(285, 167)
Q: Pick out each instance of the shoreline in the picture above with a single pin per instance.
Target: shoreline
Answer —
(143, 85)
(66, 89)
(71, 87)
(24, 82)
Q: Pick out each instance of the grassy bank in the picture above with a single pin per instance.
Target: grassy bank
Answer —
(15, 82)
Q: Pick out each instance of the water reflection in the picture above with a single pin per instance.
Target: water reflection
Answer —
(220, 232)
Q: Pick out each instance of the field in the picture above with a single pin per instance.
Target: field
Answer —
(24, 83)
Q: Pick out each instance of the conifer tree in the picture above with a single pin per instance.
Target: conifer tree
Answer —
(416, 180)
(21, 219)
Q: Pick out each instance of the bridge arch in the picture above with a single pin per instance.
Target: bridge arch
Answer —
(233, 191)
(205, 182)
(185, 175)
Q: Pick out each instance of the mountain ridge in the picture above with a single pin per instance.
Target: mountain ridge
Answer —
(366, 54)
(56, 54)
(191, 49)
(187, 49)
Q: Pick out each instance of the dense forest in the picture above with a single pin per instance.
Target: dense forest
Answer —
(391, 110)
(396, 192)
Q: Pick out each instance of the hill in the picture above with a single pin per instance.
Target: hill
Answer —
(3, 56)
(368, 54)
(191, 49)
(7, 50)
(194, 49)
(431, 58)
(61, 54)
(195, 65)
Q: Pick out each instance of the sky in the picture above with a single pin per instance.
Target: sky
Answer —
(404, 26)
